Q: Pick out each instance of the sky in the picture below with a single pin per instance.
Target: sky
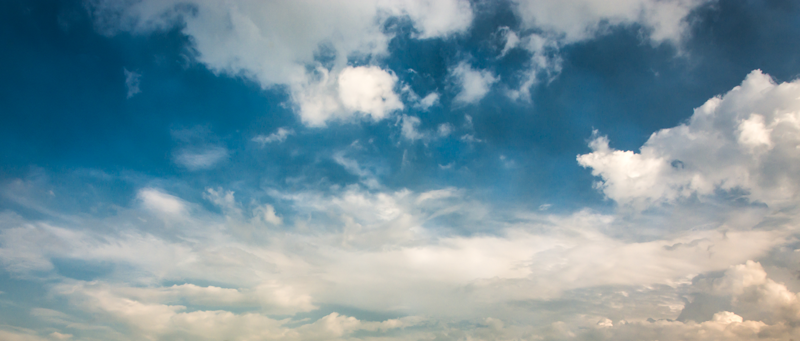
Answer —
(399, 170)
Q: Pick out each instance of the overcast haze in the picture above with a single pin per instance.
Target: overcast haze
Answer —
(399, 170)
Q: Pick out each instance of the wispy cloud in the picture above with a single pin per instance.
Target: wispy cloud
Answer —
(132, 80)
(201, 158)
(278, 136)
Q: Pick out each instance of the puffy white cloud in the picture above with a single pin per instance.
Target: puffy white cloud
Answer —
(755, 295)
(744, 140)
(370, 90)
(762, 309)
(275, 42)
(362, 90)
(473, 84)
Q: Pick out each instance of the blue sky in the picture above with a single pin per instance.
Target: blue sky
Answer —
(399, 170)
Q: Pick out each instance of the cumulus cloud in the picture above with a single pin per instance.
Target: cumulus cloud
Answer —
(357, 91)
(369, 90)
(771, 311)
(278, 136)
(473, 84)
(277, 43)
(746, 140)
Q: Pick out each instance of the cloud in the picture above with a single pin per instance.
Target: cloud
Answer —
(278, 43)
(146, 314)
(744, 140)
(158, 201)
(444, 129)
(579, 20)
(428, 101)
(278, 136)
(773, 312)
(437, 18)
(267, 214)
(369, 90)
(21, 334)
(367, 177)
(357, 91)
(201, 158)
(409, 128)
(473, 84)
(511, 40)
(132, 82)
(549, 25)
(453, 258)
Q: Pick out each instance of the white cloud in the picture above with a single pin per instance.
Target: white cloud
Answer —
(267, 213)
(558, 23)
(444, 129)
(577, 20)
(428, 101)
(132, 82)
(773, 312)
(365, 90)
(355, 247)
(278, 136)
(367, 177)
(146, 315)
(369, 90)
(437, 18)
(274, 42)
(60, 336)
(545, 61)
(473, 84)
(511, 40)
(746, 139)
(158, 201)
(201, 158)
(409, 128)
